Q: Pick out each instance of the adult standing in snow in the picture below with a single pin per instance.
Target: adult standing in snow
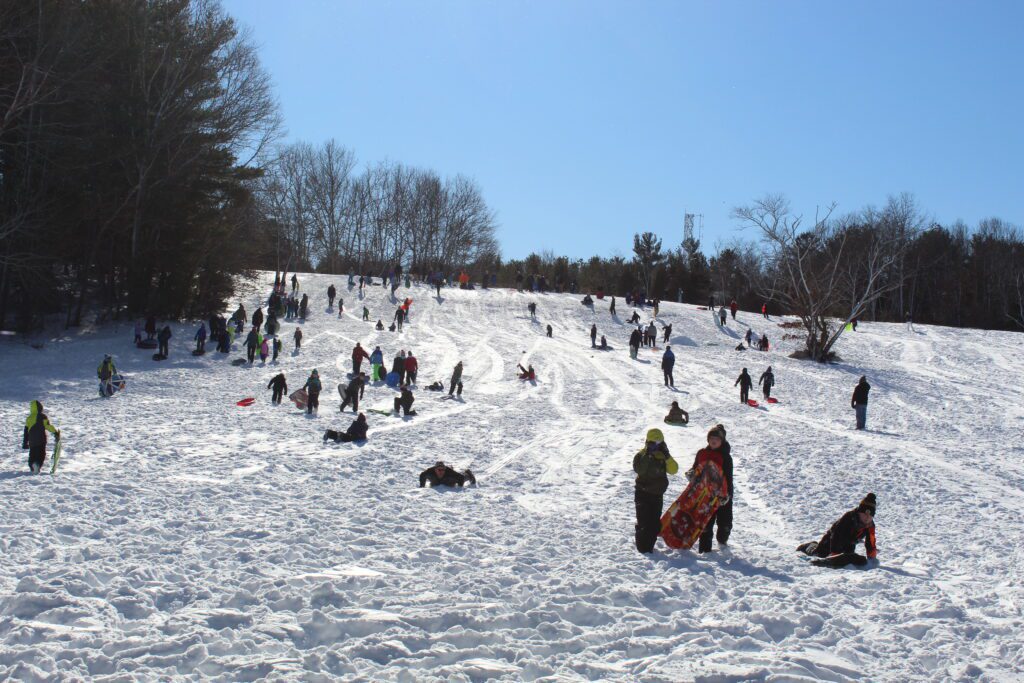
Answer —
(837, 547)
(34, 438)
(304, 306)
(257, 318)
(550, 331)
(355, 390)
(764, 310)
(611, 308)
(733, 308)
(593, 336)
(635, 338)
(532, 308)
(331, 293)
(717, 443)
(358, 354)
(745, 383)
(295, 284)
(668, 361)
(767, 381)
(456, 384)
(298, 338)
(277, 347)
(652, 464)
(312, 387)
(398, 367)
(412, 366)
(859, 401)
(280, 387)
(150, 327)
(722, 315)
(164, 339)
(399, 318)
(251, 344)
(200, 338)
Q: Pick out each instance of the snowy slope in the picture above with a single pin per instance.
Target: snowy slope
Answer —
(189, 538)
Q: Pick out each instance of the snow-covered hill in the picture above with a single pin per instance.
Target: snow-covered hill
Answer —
(186, 537)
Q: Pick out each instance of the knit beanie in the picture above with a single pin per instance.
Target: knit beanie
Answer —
(715, 431)
(655, 435)
(869, 503)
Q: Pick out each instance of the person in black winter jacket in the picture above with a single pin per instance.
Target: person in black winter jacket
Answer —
(723, 516)
(745, 383)
(251, 344)
(331, 292)
(280, 386)
(767, 381)
(859, 401)
(593, 336)
(404, 402)
(353, 392)
(837, 547)
(356, 432)
(257, 318)
(455, 386)
(635, 338)
(443, 475)
(164, 339)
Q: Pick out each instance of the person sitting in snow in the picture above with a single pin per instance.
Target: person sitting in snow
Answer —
(404, 402)
(527, 373)
(676, 415)
(380, 325)
(355, 432)
(837, 547)
(443, 475)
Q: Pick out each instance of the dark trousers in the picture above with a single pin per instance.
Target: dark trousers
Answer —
(454, 387)
(723, 517)
(163, 349)
(767, 392)
(312, 403)
(410, 377)
(330, 301)
(276, 398)
(36, 456)
(251, 353)
(201, 345)
(669, 380)
(352, 398)
(744, 393)
(648, 519)
(356, 364)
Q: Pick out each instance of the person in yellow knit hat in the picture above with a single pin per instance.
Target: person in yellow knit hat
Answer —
(34, 438)
(652, 464)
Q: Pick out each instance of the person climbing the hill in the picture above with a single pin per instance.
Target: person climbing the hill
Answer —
(251, 344)
(722, 315)
(676, 415)
(200, 338)
(550, 331)
(527, 373)
(652, 335)
(257, 318)
(667, 331)
(443, 475)
(652, 464)
(280, 387)
(718, 451)
(668, 361)
(762, 343)
(312, 387)
(404, 402)
(366, 315)
(532, 308)
(611, 308)
(745, 383)
(399, 317)
(355, 432)
(264, 350)
(593, 336)
(34, 436)
(635, 338)
(277, 347)
(733, 308)
(767, 381)
(358, 354)
(635, 320)
(456, 384)
(240, 314)
(164, 339)
(355, 390)
(331, 293)
(377, 365)
(412, 366)
(859, 401)
(298, 338)
(748, 337)
(304, 306)
(105, 372)
(837, 548)
(295, 284)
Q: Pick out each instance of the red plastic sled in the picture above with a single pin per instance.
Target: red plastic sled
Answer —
(246, 402)
(752, 403)
(773, 400)
(684, 520)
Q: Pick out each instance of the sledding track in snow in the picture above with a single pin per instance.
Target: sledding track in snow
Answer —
(188, 538)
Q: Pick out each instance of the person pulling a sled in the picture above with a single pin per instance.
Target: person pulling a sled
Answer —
(34, 438)
(280, 387)
(652, 464)
(443, 475)
(106, 372)
(767, 381)
(837, 548)
(745, 383)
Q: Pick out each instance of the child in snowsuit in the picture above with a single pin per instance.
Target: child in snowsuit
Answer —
(312, 387)
(837, 547)
(593, 336)
(745, 383)
(280, 386)
(366, 314)
(443, 475)
(676, 415)
(720, 451)
(652, 464)
(356, 432)
(549, 331)
(34, 438)
(377, 365)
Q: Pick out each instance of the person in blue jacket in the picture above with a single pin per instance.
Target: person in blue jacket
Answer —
(201, 338)
(668, 361)
(377, 363)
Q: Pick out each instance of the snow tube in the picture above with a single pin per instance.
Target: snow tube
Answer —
(391, 379)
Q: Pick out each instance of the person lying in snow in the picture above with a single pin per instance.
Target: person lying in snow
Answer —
(836, 548)
(443, 475)
(356, 432)
(527, 373)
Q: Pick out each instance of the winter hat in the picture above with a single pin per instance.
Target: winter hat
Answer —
(439, 463)
(655, 435)
(721, 427)
(715, 431)
(869, 503)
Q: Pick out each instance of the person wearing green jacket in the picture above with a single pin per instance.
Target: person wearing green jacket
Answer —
(652, 464)
(34, 438)
(106, 372)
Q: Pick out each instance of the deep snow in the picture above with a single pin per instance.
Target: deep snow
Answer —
(186, 537)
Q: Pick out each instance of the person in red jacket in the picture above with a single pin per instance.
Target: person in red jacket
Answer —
(733, 307)
(715, 453)
(836, 548)
(411, 366)
(358, 354)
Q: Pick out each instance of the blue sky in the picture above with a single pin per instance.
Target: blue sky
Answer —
(585, 122)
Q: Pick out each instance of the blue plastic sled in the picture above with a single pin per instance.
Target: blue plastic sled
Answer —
(391, 379)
